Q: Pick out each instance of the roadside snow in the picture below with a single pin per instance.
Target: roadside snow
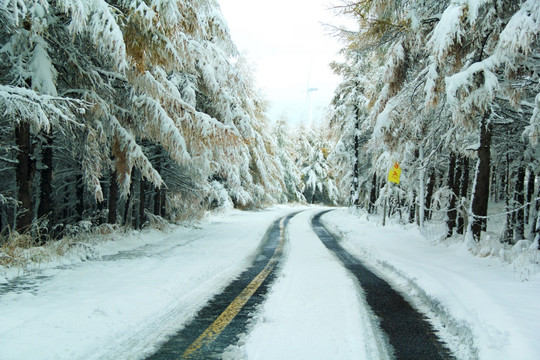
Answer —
(140, 289)
(135, 291)
(484, 308)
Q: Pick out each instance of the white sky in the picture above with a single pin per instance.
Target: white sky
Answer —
(288, 45)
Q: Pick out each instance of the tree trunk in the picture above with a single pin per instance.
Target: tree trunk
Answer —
(3, 218)
(429, 193)
(464, 189)
(25, 176)
(422, 189)
(519, 202)
(113, 199)
(142, 204)
(509, 224)
(45, 190)
(354, 186)
(373, 194)
(456, 191)
(452, 179)
(157, 193)
(479, 205)
(505, 180)
(79, 207)
(536, 224)
(45, 186)
(157, 201)
(493, 184)
(412, 209)
(128, 206)
(163, 202)
(530, 193)
(535, 212)
(384, 212)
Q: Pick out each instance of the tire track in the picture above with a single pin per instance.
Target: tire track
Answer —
(409, 333)
(218, 324)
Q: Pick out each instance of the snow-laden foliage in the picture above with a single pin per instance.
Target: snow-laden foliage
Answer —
(317, 173)
(347, 116)
(450, 85)
(119, 95)
(285, 152)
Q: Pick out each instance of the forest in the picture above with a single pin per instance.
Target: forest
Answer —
(450, 91)
(130, 113)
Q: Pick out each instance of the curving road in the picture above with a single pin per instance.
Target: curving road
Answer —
(405, 332)
(408, 332)
(218, 324)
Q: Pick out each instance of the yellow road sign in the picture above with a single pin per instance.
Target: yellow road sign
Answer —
(395, 173)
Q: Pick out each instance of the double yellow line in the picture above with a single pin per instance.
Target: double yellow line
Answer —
(215, 329)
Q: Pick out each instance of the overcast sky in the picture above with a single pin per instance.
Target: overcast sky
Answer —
(290, 47)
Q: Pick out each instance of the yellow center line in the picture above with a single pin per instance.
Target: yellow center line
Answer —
(215, 329)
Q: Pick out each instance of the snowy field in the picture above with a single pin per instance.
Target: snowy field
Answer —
(137, 289)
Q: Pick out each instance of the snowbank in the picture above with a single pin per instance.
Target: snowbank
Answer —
(130, 294)
(483, 306)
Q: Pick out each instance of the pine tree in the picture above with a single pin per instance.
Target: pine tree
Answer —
(454, 76)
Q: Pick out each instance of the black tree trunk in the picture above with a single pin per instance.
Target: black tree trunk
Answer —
(519, 202)
(373, 194)
(128, 206)
(142, 204)
(157, 193)
(452, 179)
(113, 199)
(412, 209)
(429, 194)
(480, 199)
(464, 189)
(45, 186)
(25, 175)
(79, 207)
(530, 193)
(354, 186)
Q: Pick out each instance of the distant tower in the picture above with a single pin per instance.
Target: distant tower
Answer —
(309, 90)
(310, 111)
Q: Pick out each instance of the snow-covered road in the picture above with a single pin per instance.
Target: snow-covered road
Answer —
(485, 309)
(314, 310)
(143, 287)
(140, 289)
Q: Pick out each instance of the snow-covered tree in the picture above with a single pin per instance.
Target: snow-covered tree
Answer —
(456, 76)
(285, 153)
(317, 173)
(107, 94)
(347, 116)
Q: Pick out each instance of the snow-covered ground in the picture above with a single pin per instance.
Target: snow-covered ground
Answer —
(140, 288)
(486, 308)
(137, 289)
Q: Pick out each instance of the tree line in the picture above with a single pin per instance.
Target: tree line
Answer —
(450, 91)
(122, 111)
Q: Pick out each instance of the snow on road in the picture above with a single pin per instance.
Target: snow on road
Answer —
(489, 310)
(314, 310)
(123, 304)
(143, 286)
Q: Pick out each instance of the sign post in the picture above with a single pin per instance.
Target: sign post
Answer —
(393, 176)
(394, 173)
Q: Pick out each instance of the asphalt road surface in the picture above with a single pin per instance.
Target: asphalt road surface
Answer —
(218, 324)
(408, 332)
